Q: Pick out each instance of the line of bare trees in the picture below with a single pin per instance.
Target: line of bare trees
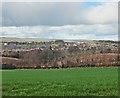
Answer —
(57, 59)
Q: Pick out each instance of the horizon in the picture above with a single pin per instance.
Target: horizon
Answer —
(57, 39)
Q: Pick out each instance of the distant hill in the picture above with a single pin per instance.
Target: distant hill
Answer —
(8, 39)
(5, 39)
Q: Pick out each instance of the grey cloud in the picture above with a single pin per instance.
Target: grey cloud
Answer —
(30, 14)
(51, 14)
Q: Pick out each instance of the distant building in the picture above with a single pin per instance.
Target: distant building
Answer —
(5, 44)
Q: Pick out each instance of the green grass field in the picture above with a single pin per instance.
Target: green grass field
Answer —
(61, 82)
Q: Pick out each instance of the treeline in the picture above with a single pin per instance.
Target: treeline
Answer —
(12, 54)
(59, 59)
(31, 59)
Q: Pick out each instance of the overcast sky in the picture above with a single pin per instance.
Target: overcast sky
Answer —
(80, 20)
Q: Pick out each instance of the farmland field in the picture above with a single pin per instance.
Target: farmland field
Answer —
(61, 82)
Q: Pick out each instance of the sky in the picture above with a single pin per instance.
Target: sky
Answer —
(60, 20)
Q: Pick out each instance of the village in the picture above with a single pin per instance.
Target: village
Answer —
(59, 54)
(60, 45)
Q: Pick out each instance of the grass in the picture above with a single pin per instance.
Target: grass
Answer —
(61, 82)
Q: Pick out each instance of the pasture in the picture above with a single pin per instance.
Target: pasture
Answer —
(61, 82)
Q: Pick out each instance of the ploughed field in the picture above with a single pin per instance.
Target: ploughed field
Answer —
(61, 82)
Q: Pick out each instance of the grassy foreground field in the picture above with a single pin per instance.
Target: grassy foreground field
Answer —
(61, 82)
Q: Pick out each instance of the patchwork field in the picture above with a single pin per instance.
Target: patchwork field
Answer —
(61, 82)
